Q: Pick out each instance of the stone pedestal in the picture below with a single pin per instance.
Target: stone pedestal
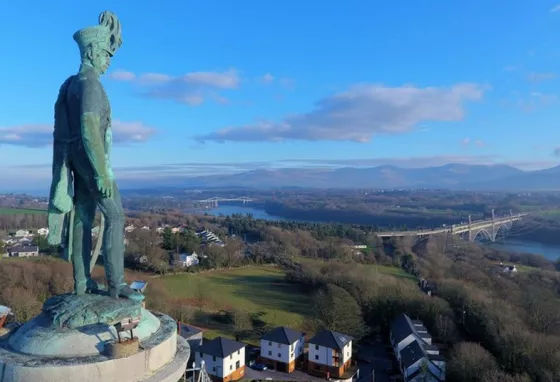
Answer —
(41, 352)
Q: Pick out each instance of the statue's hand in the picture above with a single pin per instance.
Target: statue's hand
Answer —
(104, 185)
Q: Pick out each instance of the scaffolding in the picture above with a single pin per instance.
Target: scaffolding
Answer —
(197, 374)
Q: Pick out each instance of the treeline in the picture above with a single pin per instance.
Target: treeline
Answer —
(515, 319)
(14, 222)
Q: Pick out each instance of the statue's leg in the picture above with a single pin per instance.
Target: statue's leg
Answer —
(82, 242)
(113, 246)
(113, 237)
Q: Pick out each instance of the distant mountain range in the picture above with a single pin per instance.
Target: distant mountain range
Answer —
(450, 176)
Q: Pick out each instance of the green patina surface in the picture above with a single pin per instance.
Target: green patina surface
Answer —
(72, 311)
(82, 175)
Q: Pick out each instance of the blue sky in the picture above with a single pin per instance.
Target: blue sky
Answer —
(223, 86)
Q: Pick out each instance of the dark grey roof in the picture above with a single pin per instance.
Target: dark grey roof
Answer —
(331, 339)
(188, 330)
(26, 248)
(430, 347)
(419, 371)
(220, 347)
(283, 335)
(402, 327)
(412, 353)
(436, 357)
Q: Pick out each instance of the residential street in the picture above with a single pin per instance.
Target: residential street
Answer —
(297, 375)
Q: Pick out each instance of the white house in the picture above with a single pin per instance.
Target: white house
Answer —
(23, 251)
(330, 353)
(281, 347)
(224, 359)
(510, 269)
(22, 233)
(129, 228)
(43, 231)
(418, 358)
(175, 230)
(186, 260)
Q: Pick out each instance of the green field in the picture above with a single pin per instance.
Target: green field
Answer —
(384, 269)
(21, 211)
(260, 290)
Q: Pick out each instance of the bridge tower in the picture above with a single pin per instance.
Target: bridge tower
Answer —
(470, 231)
(493, 226)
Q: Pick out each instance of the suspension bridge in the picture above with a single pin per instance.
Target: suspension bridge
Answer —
(487, 229)
(216, 199)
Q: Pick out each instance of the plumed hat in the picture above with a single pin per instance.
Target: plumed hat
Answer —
(107, 34)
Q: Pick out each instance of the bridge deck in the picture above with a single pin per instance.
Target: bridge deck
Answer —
(456, 228)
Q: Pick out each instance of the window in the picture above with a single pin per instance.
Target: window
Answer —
(231, 356)
(270, 352)
(200, 353)
(269, 343)
(214, 369)
(237, 365)
(316, 356)
(279, 355)
(214, 358)
(347, 354)
(238, 352)
(231, 367)
(316, 347)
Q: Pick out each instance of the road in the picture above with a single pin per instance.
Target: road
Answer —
(297, 375)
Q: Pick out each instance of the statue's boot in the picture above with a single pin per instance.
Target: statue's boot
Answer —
(127, 292)
(94, 287)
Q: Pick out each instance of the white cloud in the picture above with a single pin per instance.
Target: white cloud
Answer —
(359, 113)
(556, 8)
(122, 75)
(539, 77)
(191, 89)
(40, 135)
(267, 78)
(476, 142)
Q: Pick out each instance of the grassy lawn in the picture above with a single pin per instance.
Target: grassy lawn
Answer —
(260, 290)
(520, 267)
(385, 269)
(21, 211)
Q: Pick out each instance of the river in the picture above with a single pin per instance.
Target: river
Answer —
(551, 252)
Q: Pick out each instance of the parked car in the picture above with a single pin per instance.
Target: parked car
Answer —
(259, 367)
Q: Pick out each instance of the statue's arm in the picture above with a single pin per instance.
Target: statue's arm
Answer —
(91, 104)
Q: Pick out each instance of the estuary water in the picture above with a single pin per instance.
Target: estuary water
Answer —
(551, 252)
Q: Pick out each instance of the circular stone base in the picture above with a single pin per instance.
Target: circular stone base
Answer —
(38, 337)
(162, 356)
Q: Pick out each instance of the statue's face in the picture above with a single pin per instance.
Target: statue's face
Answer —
(100, 59)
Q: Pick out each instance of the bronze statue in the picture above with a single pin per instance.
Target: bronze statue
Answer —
(82, 175)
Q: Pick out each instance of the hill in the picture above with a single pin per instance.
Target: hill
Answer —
(449, 176)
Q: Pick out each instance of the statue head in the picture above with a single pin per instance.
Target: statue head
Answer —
(100, 42)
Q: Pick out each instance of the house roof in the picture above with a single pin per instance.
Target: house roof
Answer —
(283, 335)
(436, 357)
(331, 339)
(412, 353)
(25, 248)
(220, 347)
(402, 327)
(188, 330)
